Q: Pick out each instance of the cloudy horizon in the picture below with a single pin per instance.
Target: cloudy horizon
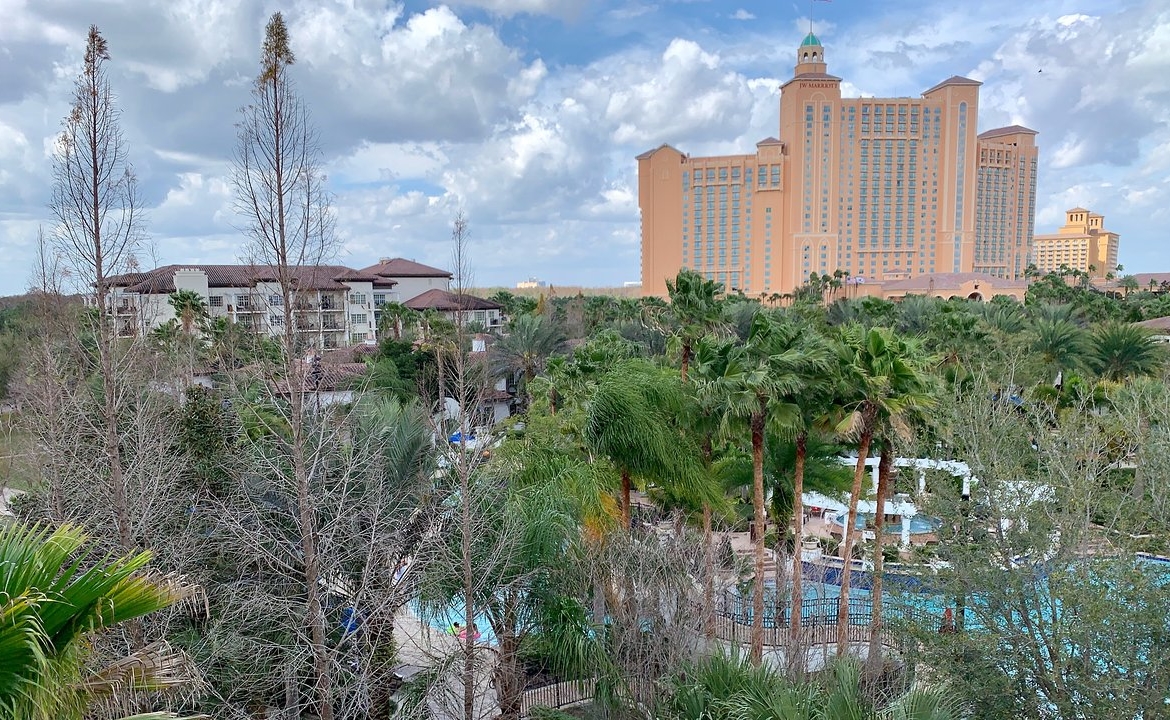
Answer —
(527, 114)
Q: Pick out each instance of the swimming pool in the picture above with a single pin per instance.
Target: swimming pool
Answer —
(919, 524)
(456, 613)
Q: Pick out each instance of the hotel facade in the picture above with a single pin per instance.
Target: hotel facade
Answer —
(1081, 244)
(884, 189)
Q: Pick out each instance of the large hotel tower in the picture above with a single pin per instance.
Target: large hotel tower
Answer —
(882, 188)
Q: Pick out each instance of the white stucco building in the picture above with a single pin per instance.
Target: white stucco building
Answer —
(333, 304)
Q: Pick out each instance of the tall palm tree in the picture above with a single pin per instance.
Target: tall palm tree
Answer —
(888, 385)
(771, 366)
(56, 597)
(695, 305)
(530, 342)
(818, 406)
(1118, 351)
(189, 308)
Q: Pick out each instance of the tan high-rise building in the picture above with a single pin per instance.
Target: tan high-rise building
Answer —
(1081, 244)
(880, 188)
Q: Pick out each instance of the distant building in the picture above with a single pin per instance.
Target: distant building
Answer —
(1082, 244)
(410, 278)
(333, 304)
(969, 286)
(885, 188)
(452, 306)
(530, 283)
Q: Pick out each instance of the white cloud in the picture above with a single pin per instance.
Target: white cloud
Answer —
(742, 14)
(423, 113)
(566, 9)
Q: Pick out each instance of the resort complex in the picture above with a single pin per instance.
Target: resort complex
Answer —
(858, 448)
(882, 189)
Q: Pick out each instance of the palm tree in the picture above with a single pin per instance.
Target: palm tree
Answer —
(887, 387)
(392, 319)
(631, 420)
(694, 302)
(771, 366)
(1128, 284)
(1119, 350)
(189, 308)
(727, 687)
(57, 596)
(530, 342)
(1060, 343)
(817, 405)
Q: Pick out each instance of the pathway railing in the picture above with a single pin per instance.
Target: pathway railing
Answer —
(557, 695)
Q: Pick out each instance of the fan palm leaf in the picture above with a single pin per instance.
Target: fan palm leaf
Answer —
(55, 594)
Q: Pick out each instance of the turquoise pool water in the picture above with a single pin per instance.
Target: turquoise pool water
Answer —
(918, 524)
(456, 614)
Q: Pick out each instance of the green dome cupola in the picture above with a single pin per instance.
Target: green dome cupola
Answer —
(810, 55)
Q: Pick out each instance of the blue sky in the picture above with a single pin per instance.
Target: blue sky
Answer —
(527, 114)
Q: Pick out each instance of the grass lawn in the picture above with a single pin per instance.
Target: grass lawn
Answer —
(13, 444)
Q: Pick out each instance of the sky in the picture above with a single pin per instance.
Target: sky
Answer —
(526, 115)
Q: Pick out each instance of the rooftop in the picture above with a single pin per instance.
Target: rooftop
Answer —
(319, 277)
(1005, 131)
(444, 301)
(940, 281)
(401, 267)
(954, 80)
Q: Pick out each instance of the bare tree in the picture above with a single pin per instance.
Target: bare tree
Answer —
(95, 204)
(280, 191)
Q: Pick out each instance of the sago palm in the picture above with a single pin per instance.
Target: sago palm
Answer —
(55, 597)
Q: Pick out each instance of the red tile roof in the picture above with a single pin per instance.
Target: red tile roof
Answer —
(320, 277)
(401, 267)
(444, 301)
(1005, 131)
(954, 80)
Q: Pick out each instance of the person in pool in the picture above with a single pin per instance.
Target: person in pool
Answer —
(455, 628)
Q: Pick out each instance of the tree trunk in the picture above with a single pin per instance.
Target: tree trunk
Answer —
(708, 576)
(759, 527)
(508, 675)
(851, 533)
(625, 499)
(798, 530)
(686, 359)
(874, 657)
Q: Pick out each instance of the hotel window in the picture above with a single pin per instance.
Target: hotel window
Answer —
(276, 320)
(357, 298)
(357, 318)
(215, 301)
